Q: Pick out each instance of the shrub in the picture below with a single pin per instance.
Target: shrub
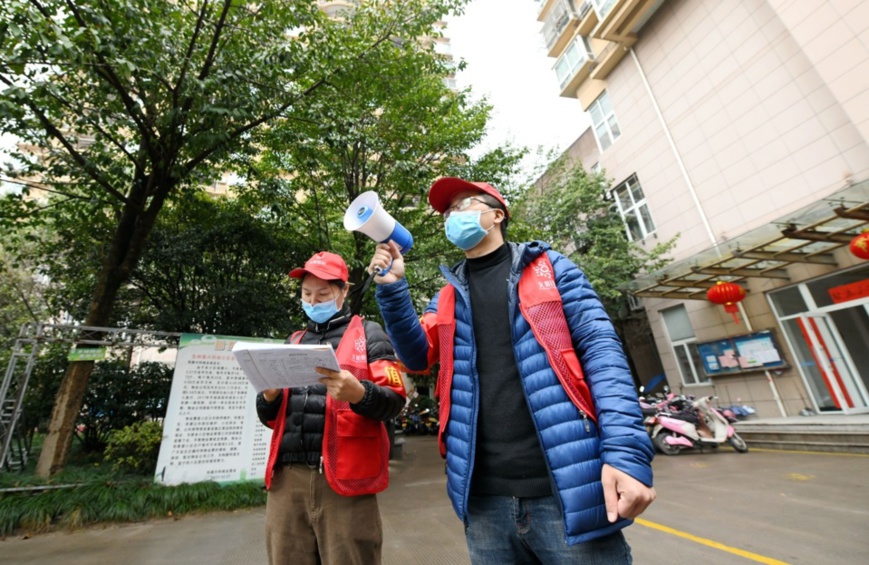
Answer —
(135, 448)
(118, 396)
(109, 501)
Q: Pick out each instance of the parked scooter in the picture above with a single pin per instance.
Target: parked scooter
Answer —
(412, 421)
(649, 407)
(697, 426)
(664, 401)
(428, 419)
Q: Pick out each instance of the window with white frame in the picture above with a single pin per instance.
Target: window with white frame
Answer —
(574, 56)
(683, 340)
(634, 210)
(603, 119)
(603, 7)
(556, 21)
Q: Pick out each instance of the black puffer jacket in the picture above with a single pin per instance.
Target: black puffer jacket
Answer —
(306, 410)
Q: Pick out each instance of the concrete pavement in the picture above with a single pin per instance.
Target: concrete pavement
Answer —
(717, 508)
(419, 527)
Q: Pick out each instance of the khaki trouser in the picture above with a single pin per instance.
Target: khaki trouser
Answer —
(308, 523)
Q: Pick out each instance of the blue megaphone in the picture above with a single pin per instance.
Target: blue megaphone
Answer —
(367, 216)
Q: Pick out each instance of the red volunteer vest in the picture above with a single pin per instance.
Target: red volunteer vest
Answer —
(541, 306)
(355, 449)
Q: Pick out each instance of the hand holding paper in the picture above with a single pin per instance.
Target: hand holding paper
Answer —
(342, 385)
(269, 365)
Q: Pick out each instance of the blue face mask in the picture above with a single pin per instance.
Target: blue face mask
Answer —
(464, 229)
(320, 312)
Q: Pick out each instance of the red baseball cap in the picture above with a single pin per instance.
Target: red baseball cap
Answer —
(323, 265)
(445, 189)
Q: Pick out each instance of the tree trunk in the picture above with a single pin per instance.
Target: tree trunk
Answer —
(133, 228)
(70, 396)
(66, 408)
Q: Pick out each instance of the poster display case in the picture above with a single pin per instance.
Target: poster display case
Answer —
(755, 351)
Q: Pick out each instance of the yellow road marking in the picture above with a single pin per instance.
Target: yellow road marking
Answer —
(801, 452)
(710, 543)
(800, 477)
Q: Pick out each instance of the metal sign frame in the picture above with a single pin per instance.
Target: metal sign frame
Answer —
(15, 449)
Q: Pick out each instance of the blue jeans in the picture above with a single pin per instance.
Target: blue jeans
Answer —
(503, 530)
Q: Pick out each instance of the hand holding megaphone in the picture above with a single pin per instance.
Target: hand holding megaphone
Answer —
(367, 216)
(387, 263)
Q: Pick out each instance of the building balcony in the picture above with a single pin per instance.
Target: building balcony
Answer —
(338, 8)
(573, 67)
(607, 59)
(587, 19)
(620, 20)
(543, 6)
(443, 47)
(561, 18)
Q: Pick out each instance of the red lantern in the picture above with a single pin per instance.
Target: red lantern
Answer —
(860, 245)
(728, 294)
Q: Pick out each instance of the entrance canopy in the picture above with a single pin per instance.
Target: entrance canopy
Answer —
(807, 235)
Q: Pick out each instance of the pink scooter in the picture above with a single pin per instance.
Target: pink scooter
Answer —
(701, 427)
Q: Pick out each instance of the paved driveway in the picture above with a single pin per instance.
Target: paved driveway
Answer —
(717, 508)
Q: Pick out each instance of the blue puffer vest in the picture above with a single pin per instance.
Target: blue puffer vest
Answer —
(575, 448)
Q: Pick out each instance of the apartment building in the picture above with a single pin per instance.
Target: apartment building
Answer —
(743, 128)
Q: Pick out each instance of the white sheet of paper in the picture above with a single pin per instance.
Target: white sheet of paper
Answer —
(269, 365)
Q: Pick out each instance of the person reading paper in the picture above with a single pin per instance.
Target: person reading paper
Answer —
(329, 450)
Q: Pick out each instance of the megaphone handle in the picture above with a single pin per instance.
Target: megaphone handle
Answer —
(382, 272)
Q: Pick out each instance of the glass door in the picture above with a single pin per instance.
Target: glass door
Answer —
(834, 380)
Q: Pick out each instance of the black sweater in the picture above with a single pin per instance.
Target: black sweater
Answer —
(302, 441)
(508, 460)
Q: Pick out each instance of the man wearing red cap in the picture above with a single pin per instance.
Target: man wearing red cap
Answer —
(329, 451)
(547, 457)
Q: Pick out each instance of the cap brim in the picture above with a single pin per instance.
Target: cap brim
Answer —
(444, 190)
(325, 275)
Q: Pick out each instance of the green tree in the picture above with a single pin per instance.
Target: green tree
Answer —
(569, 208)
(22, 291)
(23, 301)
(217, 267)
(120, 396)
(393, 128)
(45, 378)
(131, 103)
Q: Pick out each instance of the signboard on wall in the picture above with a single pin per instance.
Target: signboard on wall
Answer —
(211, 431)
(741, 354)
(848, 292)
